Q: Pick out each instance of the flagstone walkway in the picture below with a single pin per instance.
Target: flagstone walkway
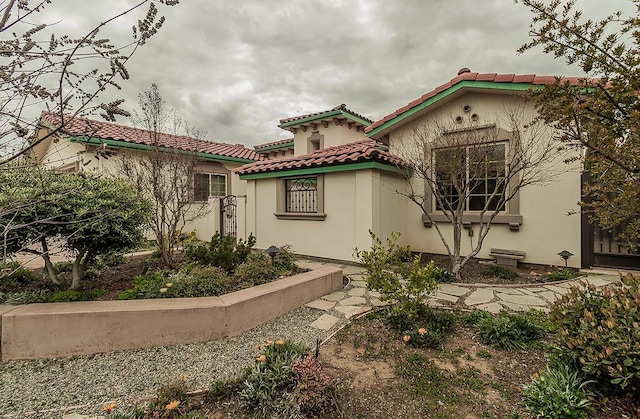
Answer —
(356, 299)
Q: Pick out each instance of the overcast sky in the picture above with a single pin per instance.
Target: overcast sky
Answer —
(234, 68)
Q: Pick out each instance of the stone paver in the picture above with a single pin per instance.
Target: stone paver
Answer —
(357, 299)
(325, 322)
(336, 296)
(321, 304)
(557, 289)
(456, 290)
(352, 301)
(348, 311)
(598, 282)
(446, 297)
(549, 296)
(525, 300)
(357, 292)
(507, 290)
(479, 296)
(378, 303)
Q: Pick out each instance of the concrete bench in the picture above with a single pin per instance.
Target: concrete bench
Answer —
(507, 257)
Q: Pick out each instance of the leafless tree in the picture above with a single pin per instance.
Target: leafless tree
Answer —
(164, 174)
(463, 171)
(61, 73)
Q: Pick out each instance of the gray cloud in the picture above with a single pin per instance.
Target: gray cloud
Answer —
(234, 68)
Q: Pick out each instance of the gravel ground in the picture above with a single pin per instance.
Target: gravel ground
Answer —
(84, 384)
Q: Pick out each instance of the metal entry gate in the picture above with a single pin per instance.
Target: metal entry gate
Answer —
(228, 216)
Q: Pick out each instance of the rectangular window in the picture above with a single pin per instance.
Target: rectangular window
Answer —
(301, 195)
(477, 173)
(209, 184)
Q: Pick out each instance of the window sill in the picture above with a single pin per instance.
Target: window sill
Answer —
(513, 220)
(300, 216)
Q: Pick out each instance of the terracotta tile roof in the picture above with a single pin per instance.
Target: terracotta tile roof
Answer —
(356, 152)
(341, 107)
(274, 143)
(89, 128)
(466, 75)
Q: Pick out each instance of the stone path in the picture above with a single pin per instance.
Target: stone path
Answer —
(356, 299)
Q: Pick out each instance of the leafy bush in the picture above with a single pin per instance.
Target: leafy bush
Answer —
(285, 262)
(434, 327)
(63, 266)
(14, 275)
(443, 275)
(499, 271)
(557, 393)
(265, 389)
(222, 251)
(25, 297)
(110, 259)
(599, 330)
(474, 317)
(511, 331)
(145, 286)
(70, 295)
(314, 390)
(201, 281)
(404, 285)
(257, 269)
(562, 274)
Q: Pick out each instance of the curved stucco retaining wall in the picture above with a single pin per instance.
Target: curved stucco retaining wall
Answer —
(54, 330)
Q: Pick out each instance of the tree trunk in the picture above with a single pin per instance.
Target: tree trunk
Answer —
(51, 272)
(77, 271)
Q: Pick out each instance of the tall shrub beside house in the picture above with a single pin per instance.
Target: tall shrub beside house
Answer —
(89, 215)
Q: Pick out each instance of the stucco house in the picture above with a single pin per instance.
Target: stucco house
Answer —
(345, 172)
(88, 145)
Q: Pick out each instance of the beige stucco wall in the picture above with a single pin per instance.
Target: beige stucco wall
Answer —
(546, 228)
(354, 202)
(65, 155)
(332, 135)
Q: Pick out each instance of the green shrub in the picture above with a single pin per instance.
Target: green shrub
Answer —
(499, 271)
(202, 281)
(266, 388)
(256, 270)
(111, 259)
(433, 328)
(557, 393)
(13, 275)
(63, 266)
(146, 286)
(71, 295)
(443, 275)
(599, 330)
(222, 251)
(511, 331)
(285, 262)
(560, 274)
(25, 297)
(405, 285)
(474, 317)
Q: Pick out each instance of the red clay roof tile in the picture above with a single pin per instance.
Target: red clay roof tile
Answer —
(341, 107)
(279, 142)
(469, 76)
(356, 152)
(83, 127)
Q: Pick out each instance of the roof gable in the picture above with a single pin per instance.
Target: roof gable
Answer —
(340, 112)
(90, 131)
(464, 80)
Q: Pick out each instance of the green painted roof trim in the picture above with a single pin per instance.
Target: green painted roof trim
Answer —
(145, 147)
(324, 115)
(276, 147)
(517, 87)
(326, 169)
